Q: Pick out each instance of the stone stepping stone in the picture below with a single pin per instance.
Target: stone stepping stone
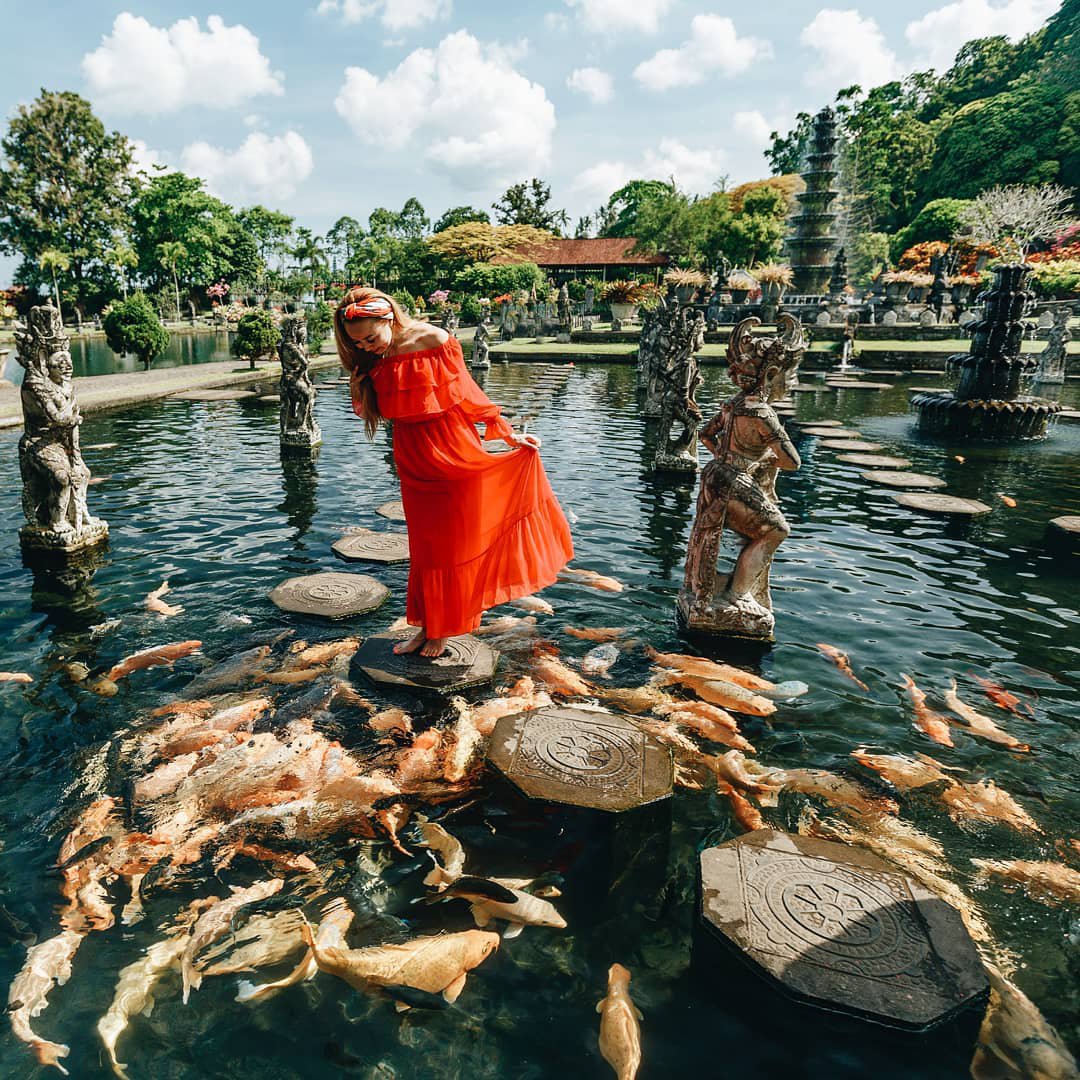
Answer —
(874, 461)
(941, 504)
(838, 928)
(392, 510)
(1069, 416)
(903, 479)
(830, 433)
(851, 384)
(1064, 532)
(467, 662)
(855, 445)
(807, 388)
(591, 759)
(332, 595)
(366, 545)
(268, 399)
(213, 395)
(823, 423)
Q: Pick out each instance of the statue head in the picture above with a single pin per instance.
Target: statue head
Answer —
(759, 365)
(294, 330)
(42, 337)
(58, 366)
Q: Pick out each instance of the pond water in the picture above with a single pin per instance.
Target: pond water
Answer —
(197, 493)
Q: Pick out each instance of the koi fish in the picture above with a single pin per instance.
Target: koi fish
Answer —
(439, 964)
(840, 659)
(903, 773)
(508, 624)
(522, 697)
(559, 678)
(156, 604)
(1002, 698)
(15, 676)
(981, 725)
(420, 760)
(533, 604)
(292, 678)
(838, 790)
(708, 721)
(958, 457)
(152, 657)
(733, 769)
(466, 746)
(620, 1030)
(599, 634)
(1008, 500)
(264, 940)
(1049, 882)
(726, 695)
(489, 900)
(450, 864)
(710, 669)
(393, 719)
(926, 720)
(591, 578)
(598, 661)
(984, 801)
(321, 654)
(746, 813)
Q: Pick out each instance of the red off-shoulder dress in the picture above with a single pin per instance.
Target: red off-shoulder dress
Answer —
(483, 528)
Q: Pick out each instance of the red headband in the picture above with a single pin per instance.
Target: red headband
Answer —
(375, 308)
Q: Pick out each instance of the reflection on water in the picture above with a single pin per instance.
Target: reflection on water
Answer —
(200, 494)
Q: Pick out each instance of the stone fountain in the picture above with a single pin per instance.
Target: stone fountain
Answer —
(987, 403)
(813, 242)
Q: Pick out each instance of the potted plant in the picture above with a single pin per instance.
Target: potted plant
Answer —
(623, 297)
(775, 280)
(685, 282)
(961, 286)
(740, 284)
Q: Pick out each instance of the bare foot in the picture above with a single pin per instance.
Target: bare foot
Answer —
(412, 644)
(433, 647)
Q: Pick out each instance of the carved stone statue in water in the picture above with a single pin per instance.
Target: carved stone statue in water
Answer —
(481, 359)
(54, 475)
(299, 427)
(738, 492)
(680, 378)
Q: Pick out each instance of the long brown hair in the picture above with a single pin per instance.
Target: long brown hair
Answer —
(358, 362)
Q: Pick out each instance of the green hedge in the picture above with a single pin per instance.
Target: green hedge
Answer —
(494, 279)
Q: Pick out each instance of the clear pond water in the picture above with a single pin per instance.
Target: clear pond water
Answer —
(197, 493)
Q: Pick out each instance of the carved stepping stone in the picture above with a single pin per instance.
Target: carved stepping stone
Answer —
(823, 423)
(830, 433)
(855, 445)
(101, 446)
(332, 595)
(392, 510)
(875, 461)
(941, 504)
(903, 479)
(268, 399)
(586, 758)
(1069, 416)
(467, 662)
(1064, 532)
(213, 395)
(838, 928)
(852, 384)
(366, 545)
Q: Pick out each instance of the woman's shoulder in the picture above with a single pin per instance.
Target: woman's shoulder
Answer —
(423, 336)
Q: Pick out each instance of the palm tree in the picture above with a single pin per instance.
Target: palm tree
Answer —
(120, 257)
(170, 254)
(52, 259)
(310, 253)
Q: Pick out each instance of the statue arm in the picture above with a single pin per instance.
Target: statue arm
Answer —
(777, 440)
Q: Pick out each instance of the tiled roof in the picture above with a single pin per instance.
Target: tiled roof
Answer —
(605, 251)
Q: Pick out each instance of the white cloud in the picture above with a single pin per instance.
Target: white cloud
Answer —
(144, 68)
(614, 16)
(753, 126)
(598, 86)
(851, 49)
(475, 116)
(939, 34)
(556, 22)
(146, 160)
(261, 167)
(695, 170)
(393, 14)
(713, 46)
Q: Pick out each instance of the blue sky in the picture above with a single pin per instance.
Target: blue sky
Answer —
(331, 107)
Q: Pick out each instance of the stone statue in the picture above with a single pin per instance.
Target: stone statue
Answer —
(650, 328)
(590, 299)
(738, 491)
(838, 281)
(481, 359)
(451, 323)
(680, 378)
(564, 306)
(712, 311)
(299, 427)
(54, 475)
(661, 355)
(1051, 370)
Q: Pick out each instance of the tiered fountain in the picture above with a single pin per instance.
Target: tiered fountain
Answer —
(813, 242)
(987, 403)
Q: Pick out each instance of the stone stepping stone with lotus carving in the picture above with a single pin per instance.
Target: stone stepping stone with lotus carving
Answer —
(874, 461)
(932, 503)
(467, 662)
(366, 545)
(889, 478)
(830, 432)
(394, 511)
(853, 445)
(331, 595)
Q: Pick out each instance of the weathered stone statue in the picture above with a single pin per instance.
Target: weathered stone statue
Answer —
(712, 311)
(738, 491)
(680, 378)
(660, 355)
(650, 330)
(590, 299)
(1051, 370)
(54, 475)
(451, 324)
(481, 358)
(838, 281)
(299, 427)
(564, 307)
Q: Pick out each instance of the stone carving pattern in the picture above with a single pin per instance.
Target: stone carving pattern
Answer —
(679, 376)
(54, 475)
(461, 652)
(298, 424)
(334, 594)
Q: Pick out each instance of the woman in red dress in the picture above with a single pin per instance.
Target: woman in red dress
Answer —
(483, 528)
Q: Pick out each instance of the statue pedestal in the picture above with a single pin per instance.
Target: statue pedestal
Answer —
(35, 538)
(684, 462)
(719, 617)
(301, 439)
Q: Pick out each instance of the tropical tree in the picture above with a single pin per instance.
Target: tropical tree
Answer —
(344, 237)
(530, 204)
(256, 336)
(308, 251)
(51, 260)
(171, 254)
(477, 241)
(270, 230)
(132, 326)
(620, 216)
(1018, 216)
(460, 215)
(121, 257)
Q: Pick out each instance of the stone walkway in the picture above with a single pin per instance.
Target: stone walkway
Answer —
(96, 392)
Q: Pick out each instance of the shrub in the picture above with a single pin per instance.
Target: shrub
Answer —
(621, 291)
(320, 320)
(133, 326)
(256, 336)
(407, 301)
(939, 219)
(487, 279)
(472, 311)
(1060, 280)
(692, 278)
